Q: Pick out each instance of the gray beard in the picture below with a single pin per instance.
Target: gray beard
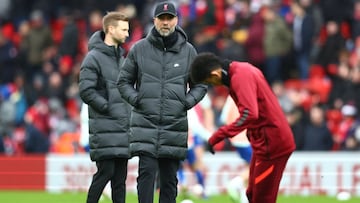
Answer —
(165, 34)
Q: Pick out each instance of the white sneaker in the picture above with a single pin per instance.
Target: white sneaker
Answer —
(236, 190)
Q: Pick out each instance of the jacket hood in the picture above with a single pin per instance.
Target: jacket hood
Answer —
(158, 42)
(96, 41)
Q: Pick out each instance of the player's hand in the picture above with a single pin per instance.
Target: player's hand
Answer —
(210, 148)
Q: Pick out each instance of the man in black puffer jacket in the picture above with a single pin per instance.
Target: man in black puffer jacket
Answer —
(108, 112)
(158, 66)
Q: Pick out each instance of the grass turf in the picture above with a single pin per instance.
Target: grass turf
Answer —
(42, 197)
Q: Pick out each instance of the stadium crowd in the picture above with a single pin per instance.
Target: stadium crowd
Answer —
(309, 51)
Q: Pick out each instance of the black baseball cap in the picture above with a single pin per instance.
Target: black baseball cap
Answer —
(165, 8)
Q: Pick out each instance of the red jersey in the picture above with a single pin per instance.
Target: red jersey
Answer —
(260, 113)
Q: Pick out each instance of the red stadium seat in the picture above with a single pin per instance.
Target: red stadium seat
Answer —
(317, 71)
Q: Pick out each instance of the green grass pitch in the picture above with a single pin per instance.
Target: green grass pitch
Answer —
(44, 197)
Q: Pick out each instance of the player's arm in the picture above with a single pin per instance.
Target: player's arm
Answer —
(244, 88)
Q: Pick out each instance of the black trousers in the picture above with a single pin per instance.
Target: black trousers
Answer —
(114, 170)
(149, 168)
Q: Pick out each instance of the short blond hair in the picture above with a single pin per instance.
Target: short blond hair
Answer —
(112, 18)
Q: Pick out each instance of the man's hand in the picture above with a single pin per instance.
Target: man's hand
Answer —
(210, 148)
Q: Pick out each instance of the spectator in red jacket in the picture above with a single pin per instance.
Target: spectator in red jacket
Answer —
(260, 113)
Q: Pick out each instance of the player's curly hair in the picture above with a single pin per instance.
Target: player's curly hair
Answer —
(202, 66)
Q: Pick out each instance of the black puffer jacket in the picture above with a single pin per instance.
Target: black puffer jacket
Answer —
(162, 95)
(108, 113)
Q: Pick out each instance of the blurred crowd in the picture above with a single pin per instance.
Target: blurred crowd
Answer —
(308, 50)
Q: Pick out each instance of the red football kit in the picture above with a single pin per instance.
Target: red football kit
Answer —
(267, 129)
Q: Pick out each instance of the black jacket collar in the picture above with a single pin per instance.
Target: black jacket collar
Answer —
(159, 43)
(225, 72)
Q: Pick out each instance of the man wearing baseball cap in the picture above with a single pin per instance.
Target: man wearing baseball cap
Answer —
(165, 8)
(154, 79)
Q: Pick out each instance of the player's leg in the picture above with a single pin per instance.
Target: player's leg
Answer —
(237, 186)
(181, 175)
(245, 152)
(267, 175)
(181, 172)
(197, 162)
(251, 179)
(107, 191)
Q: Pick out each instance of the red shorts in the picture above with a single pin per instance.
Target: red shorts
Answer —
(264, 179)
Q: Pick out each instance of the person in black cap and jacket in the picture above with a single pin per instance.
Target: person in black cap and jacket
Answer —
(155, 80)
(108, 112)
